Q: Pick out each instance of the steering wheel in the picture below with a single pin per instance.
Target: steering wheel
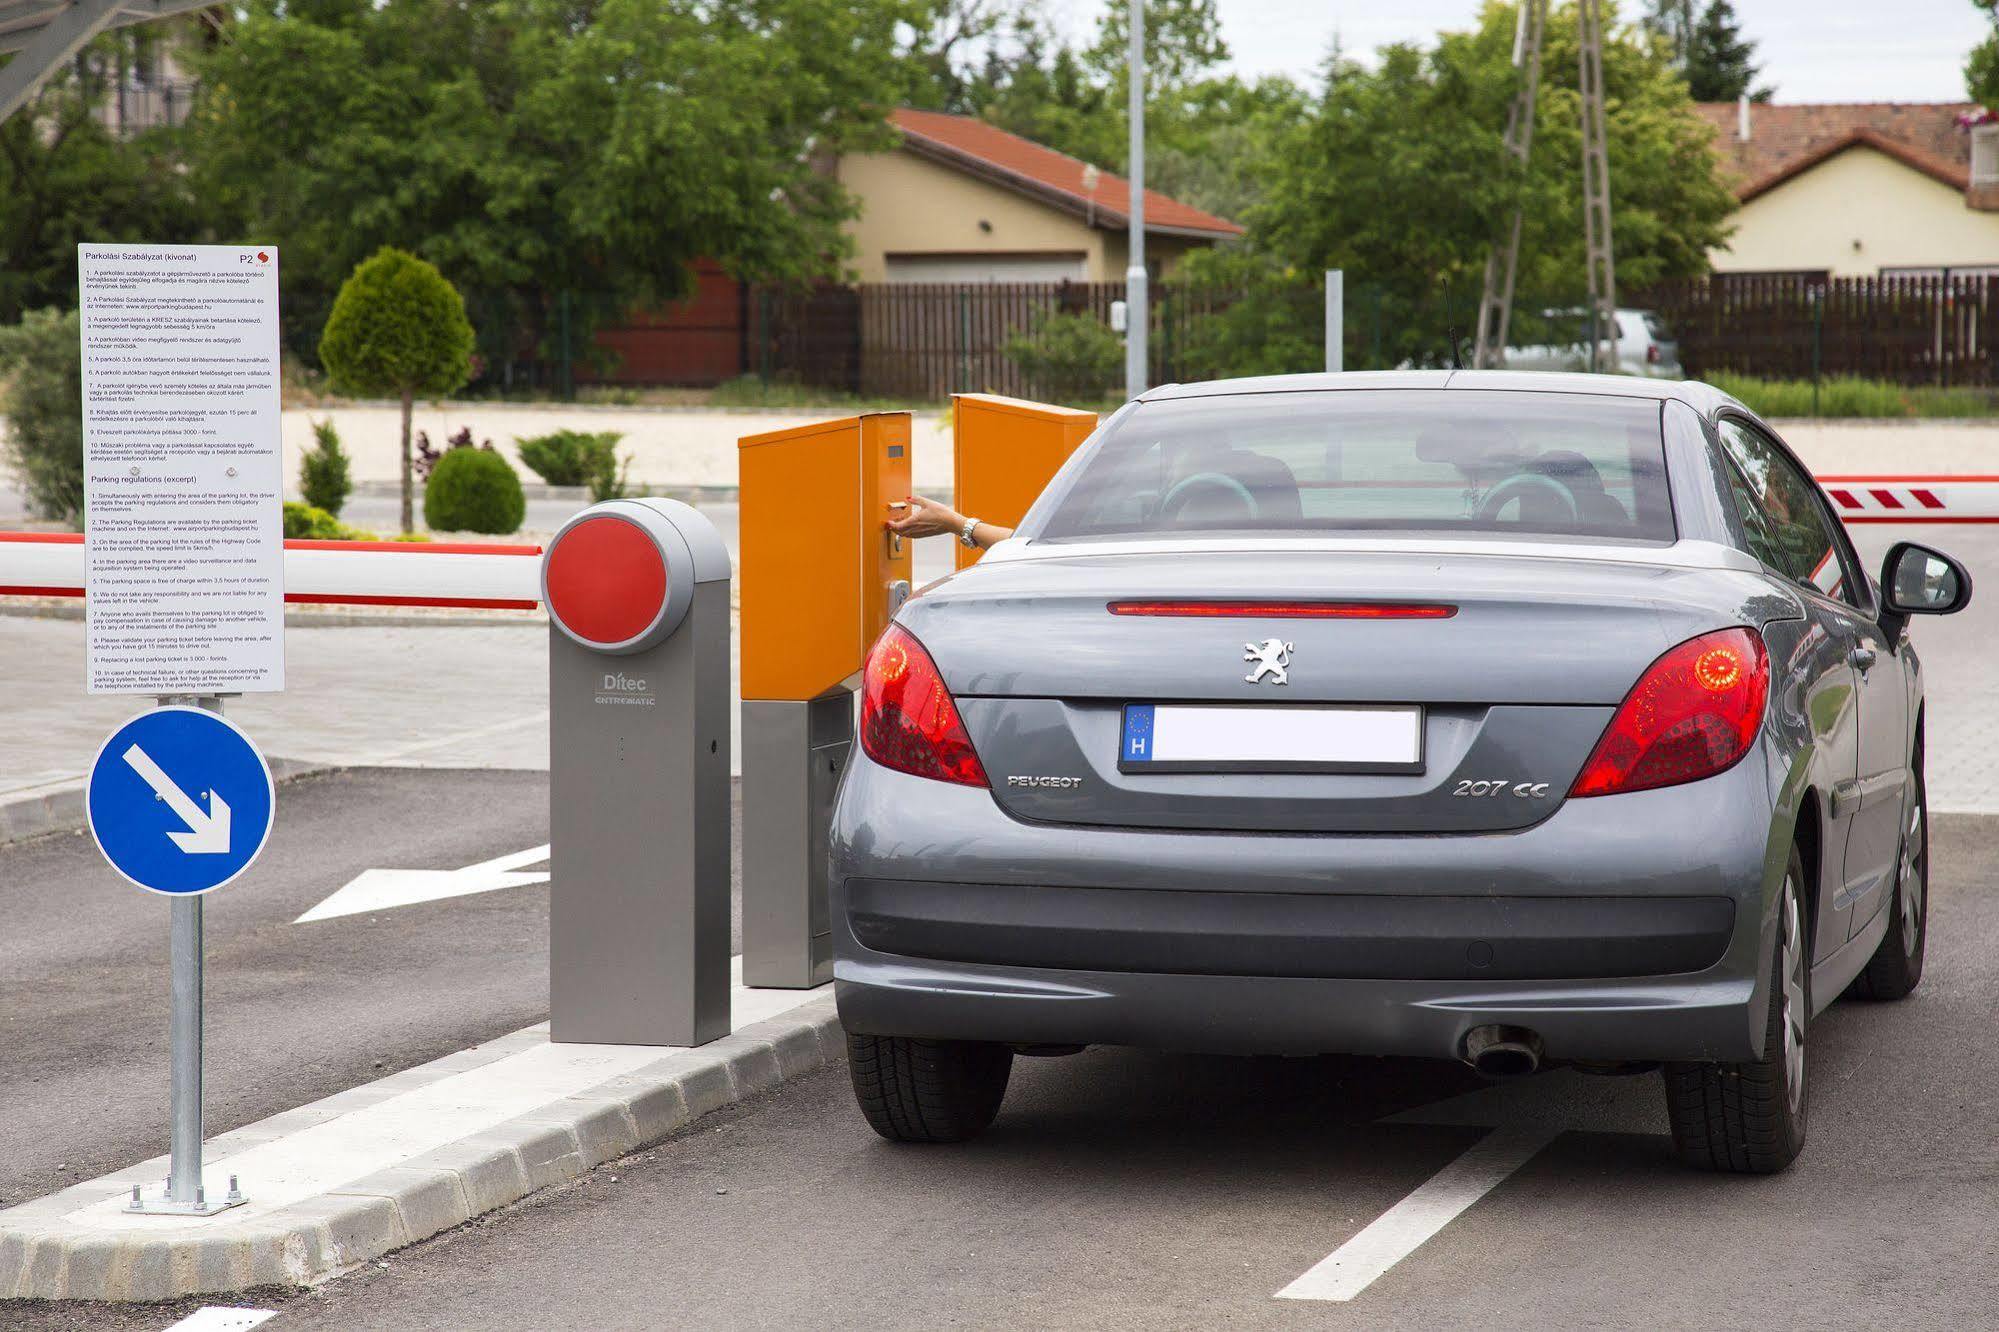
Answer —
(1519, 486)
(1187, 487)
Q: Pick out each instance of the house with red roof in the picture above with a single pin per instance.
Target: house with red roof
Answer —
(960, 200)
(957, 201)
(1859, 189)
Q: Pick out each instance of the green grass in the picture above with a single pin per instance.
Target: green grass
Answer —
(1849, 396)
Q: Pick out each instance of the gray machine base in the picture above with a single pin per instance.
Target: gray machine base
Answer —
(793, 755)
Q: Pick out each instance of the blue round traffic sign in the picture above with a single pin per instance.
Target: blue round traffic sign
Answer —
(180, 801)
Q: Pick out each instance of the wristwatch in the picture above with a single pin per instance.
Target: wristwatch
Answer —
(965, 534)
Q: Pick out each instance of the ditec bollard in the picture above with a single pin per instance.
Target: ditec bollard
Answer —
(638, 693)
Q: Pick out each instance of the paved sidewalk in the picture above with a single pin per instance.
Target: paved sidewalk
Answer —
(669, 447)
(366, 1171)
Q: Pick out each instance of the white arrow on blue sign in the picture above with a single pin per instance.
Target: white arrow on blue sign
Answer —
(180, 801)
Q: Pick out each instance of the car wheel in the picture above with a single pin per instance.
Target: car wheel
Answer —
(1749, 1117)
(1897, 964)
(914, 1090)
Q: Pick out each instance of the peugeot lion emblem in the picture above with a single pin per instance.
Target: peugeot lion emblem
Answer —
(1272, 657)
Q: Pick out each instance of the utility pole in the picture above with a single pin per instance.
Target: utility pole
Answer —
(1502, 262)
(1134, 273)
(1597, 249)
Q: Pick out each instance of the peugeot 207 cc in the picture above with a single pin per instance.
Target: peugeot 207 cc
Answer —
(1516, 719)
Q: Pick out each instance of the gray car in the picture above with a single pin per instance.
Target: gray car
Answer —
(1512, 718)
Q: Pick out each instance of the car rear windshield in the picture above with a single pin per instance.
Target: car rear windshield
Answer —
(1426, 460)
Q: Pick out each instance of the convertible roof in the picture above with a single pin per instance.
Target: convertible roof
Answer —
(1695, 394)
(43, 34)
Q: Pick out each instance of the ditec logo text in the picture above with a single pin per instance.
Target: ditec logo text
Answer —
(617, 687)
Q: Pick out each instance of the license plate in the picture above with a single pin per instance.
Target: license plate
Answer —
(1184, 737)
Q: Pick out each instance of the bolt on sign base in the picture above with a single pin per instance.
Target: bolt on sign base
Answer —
(159, 1202)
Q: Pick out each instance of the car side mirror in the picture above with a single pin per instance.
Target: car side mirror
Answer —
(1916, 580)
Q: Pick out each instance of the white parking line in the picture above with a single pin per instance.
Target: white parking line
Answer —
(220, 1318)
(1403, 1228)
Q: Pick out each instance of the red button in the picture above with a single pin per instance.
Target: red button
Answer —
(606, 580)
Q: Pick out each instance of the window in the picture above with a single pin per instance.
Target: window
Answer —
(1782, 516)
(1985, 155)
(1429, 460)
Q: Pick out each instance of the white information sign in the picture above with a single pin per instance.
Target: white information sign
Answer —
(183, 475)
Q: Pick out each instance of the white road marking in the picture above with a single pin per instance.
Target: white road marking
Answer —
(1526, 1114)
(381, 889)
(323, 1157)
(1403, 1228)
(219, 1318)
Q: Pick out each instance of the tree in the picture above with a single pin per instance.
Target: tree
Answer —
(1719, 58)
(556, 158)
(65, 178)
(1396, 175)
(398, 328)
(1672, 21)
(41, 401)
(1007, 65)
(1981, 67)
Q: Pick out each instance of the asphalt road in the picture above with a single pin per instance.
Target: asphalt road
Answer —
(1126, 1189)
(295, 1012)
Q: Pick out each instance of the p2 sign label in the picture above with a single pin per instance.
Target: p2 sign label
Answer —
(180, 801)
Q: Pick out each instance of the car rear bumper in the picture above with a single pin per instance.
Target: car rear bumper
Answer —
(1628, 927)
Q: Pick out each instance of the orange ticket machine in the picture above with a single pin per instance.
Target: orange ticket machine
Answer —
(820, 577)
(1004, 451)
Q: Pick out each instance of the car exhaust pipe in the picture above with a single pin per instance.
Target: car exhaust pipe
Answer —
(1502, 1052)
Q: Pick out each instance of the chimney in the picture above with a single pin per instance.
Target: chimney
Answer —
(1742, 118)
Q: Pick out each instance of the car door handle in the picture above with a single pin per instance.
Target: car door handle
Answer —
(1863, 658)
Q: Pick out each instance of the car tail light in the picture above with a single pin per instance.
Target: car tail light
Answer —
(908, 721)
(1694, 712)
(1288, 610)
(1652, 353)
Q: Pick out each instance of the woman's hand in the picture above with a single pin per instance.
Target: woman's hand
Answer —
(927, 517)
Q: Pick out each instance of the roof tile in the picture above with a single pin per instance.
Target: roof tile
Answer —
(1785, 139)
(1044, 171)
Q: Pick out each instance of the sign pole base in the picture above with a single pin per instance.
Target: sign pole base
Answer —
(183, 1193)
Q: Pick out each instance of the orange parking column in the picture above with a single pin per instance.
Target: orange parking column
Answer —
(1004, 452)
(820, 575)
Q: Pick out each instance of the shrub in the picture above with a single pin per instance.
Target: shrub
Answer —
(306, 522)
(426, 456)
(578, 458)
(398, 329)
(1068, 357)
(473, 490)
(41, 397)
(322, 471)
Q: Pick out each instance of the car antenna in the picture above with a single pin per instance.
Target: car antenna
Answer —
(1457, 355)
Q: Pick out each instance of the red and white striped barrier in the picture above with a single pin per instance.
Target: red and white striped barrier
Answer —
(334, 573)
(1914, 499)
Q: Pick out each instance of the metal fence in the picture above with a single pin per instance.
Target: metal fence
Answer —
(922, 342)
(1911, 330)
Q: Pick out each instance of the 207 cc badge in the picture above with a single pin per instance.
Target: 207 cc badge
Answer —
(1272, 657)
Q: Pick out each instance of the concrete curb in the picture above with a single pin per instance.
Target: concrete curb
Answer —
(44, 1255)
(62, 810)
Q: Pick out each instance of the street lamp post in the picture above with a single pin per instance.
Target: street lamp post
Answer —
(1136, 320)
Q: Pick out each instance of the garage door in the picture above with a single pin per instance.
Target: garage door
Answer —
(961, 268)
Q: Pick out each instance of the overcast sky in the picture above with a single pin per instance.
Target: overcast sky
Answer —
(1812, 50)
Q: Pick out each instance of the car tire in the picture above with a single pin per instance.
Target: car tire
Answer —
(915, 1090)
(1749, 1118)
(1897, 965)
